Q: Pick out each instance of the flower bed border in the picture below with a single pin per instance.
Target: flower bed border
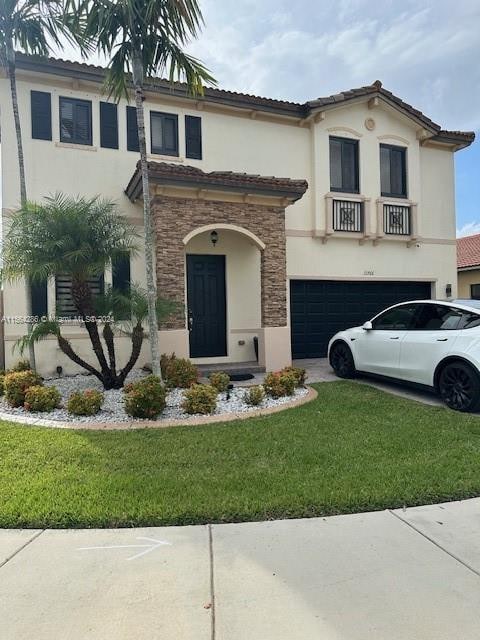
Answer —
(159, 424)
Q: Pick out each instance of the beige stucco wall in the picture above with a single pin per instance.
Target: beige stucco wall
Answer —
(465, 279)
(237, 142)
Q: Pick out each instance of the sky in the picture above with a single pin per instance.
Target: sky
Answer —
(425, 51)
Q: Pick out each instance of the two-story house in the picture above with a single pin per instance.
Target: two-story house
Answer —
(274, 220)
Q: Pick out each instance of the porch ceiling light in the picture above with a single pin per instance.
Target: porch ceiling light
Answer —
(214, 237)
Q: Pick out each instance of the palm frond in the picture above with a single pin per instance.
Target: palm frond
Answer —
(64, 234)
(40, 331)
(154, 32)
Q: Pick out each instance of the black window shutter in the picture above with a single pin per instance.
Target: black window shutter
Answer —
(121, 272)
(193, 137)
(132, 130)
(39, 298)
(41, 109)
(108, 125)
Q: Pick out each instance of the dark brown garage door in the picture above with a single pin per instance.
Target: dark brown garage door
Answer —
(320, 308)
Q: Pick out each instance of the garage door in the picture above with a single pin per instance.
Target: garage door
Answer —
(320, 308)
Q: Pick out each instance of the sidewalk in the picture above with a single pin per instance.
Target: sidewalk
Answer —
(412, 575)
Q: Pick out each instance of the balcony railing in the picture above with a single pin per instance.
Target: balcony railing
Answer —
(348, 216)
(396, 220)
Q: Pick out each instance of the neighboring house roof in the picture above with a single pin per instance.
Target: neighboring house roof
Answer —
(163, 173)
(302, 111)
(468, 252)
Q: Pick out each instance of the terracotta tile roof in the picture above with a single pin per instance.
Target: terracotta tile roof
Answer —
(468, 251)
(375, 89)
(186, 175)
(246, 101)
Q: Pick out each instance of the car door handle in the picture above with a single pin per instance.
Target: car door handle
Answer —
(394, 337)
(442, 339)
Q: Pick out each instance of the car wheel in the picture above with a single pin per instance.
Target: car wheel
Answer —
(341, 360)
(459, 386)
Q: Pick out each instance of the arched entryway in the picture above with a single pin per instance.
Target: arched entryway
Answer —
(248, 214)
(223, 292)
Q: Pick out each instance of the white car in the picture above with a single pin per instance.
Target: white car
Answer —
(430, 343)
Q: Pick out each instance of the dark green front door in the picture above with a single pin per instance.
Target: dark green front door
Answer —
(207, 316)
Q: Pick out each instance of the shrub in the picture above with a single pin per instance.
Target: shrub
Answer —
(85, 403)
(2, 384)
(22, 365)
(254, 395)
(180, 372)
(201, 398)
(298, 373)
(219, 380)
(16, 385)
(165, 360)
(40, 398)
(279, 384)
(145, 398)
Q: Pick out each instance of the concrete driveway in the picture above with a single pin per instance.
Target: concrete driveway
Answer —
(319, 370)
(412, 575)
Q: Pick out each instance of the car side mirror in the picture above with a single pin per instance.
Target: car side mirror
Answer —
(367, 326)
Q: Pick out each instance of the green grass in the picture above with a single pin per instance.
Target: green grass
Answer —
(353, 449)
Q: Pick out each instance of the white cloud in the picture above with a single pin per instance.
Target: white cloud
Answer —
(417, 48)
(469, 229)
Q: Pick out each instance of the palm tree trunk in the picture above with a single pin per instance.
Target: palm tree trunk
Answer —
(147, 219)
(110, 342)
(82, 298)
(23, 188)
(66, 348)
(137, 340)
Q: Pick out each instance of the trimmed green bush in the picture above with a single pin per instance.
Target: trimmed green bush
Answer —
(201, 398)
(16, 385)
(220, 380)
(165, 360)
(298, 373)
(254, 395)
(41, 398)
(2, 384)
(22, 365)
(85, 403)
(180, 372)
(278, 384)
(145, 398)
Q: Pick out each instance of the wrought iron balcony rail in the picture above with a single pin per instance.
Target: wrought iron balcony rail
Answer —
(397, 220)
(348, 215)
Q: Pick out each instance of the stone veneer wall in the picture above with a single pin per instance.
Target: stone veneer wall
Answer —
(174, 218)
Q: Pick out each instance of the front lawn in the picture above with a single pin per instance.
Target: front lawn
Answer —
(353, 449)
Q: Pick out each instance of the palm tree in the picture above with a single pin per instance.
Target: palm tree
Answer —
(34, 26)
(144, 38)
(79, 238)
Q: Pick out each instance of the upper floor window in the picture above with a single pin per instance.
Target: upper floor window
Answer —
(75, 121)
(393, 171)
(344, 173)
(164, 133)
